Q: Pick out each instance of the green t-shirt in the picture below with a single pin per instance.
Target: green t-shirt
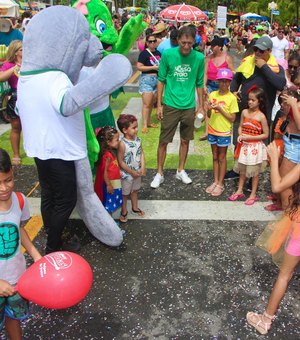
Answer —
(181, 75)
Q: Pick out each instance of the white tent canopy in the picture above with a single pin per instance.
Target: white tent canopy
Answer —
(9, 8)
(250, 16)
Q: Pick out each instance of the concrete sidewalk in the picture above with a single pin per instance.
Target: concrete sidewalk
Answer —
(134, 107)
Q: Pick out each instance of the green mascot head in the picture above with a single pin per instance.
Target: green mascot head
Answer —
(102, 26)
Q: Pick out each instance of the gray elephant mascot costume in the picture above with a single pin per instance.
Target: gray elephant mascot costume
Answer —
(57, 44)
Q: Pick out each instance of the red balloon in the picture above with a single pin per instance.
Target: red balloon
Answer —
(58, 280)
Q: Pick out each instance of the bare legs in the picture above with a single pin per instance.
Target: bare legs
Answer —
(148, 99)
(134, 205)
(220, 163)
(13, 329)
(262, 322)
(15, 136)
(162, 153)
(285, 274)
(285, 167)
(242, 180)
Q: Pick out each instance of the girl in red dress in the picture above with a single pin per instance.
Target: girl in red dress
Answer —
(108, 176)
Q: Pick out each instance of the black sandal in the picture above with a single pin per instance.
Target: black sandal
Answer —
(139, 212)
(123, 217)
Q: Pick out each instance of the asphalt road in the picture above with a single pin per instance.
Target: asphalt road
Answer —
(175, 278)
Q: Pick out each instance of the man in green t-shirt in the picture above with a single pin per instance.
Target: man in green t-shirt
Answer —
(181, 72)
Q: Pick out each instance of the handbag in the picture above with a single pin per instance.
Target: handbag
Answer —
(11, 103)
(156, 60)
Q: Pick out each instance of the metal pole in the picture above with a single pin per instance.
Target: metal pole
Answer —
(297, 11)
(271, 16)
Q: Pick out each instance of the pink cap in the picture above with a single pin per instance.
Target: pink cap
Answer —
(224, 73)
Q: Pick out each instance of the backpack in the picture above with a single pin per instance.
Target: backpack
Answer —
(20, 199)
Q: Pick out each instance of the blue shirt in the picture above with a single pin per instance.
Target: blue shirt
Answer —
(7, 38)
(164, 45)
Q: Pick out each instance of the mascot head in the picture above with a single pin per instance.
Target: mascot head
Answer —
(69, 44)
(100, 21)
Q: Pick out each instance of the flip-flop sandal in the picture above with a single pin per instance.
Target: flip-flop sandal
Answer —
(16, 161)
(202, 138)
(123, 217)
(251, 201)
(273, 207)
(256, 320)
(235, 197)
(218, 190)
(153, 125)
(272, 197)
(145, 130)
(210, 188)
(139, 212)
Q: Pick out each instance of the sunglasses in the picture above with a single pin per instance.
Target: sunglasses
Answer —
(256, 49)
(292, 67)
(152, 41)
(280, 31)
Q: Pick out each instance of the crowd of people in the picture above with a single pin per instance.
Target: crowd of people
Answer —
(184, 71)
(254, 105)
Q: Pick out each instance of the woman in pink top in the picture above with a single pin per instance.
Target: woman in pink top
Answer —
(10, 72)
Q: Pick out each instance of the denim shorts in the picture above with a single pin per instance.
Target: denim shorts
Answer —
(292, 149)
(221, 141)
(148, 83)
(14, 307)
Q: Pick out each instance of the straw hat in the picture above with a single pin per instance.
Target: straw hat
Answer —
(160, 27)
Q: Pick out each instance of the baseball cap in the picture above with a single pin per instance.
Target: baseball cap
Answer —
(224, 73)
(264, 43)
(259, 28)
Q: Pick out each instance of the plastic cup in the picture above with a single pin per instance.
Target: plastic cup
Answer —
(198, 120)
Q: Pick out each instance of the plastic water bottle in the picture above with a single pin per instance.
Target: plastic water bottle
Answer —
(198, 120)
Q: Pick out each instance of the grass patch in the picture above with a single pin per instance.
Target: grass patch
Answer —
(201, 160)
(5, 144)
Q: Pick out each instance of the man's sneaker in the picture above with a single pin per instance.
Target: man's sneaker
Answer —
(157, 181)
(183, 176)
(231, 175)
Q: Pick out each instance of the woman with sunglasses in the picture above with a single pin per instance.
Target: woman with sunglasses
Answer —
(148, 63)
(291, 71)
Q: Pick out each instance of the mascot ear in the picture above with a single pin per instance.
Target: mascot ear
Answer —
(94, 52)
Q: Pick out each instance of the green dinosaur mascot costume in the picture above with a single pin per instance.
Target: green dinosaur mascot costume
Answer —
(101, 25)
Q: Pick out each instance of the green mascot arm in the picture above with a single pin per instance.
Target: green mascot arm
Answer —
(130, 32)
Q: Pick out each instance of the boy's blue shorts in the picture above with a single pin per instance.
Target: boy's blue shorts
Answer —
(14, 307)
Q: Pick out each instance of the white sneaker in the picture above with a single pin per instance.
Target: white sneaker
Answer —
(157, 181)
(183, 176)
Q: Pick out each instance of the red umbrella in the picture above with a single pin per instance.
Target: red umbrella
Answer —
(183, 12)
